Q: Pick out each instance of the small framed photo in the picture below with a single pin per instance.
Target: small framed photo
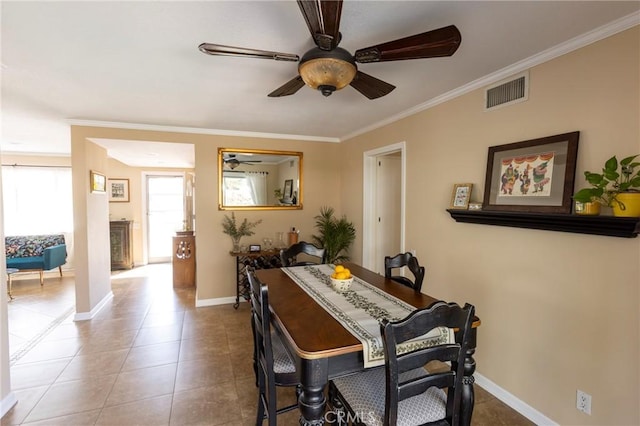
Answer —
(254, 248)
(118, 190)
(97, 182)
(461, 196)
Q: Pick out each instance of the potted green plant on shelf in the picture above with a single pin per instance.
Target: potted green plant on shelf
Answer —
(231, 228)
(335, 235)
(618, 187)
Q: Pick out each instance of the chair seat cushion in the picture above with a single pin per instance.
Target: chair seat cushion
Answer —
(24, 263)
(365, 394)
(282, 361)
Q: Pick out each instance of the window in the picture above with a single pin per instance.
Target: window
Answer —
(37, 200)
(245, 189)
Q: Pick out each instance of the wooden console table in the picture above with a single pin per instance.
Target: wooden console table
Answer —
(265, 259)
(184, 260)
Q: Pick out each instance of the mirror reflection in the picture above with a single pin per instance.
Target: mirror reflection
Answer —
(252, 179)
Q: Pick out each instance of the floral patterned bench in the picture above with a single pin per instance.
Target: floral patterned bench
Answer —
(36, 253)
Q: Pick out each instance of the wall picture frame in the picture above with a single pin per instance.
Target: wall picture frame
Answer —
(460, 196)
(536, 175)
(97, 182)
(118, 190)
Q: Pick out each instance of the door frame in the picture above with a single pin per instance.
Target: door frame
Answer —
(369, 195)
(145, 213)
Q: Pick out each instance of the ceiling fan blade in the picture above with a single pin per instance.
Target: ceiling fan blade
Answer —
(289, 88)
(323, 20)
(441, 42)
(371, 87)
(218, 49)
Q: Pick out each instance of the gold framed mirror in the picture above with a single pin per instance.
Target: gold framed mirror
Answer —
(258, 179)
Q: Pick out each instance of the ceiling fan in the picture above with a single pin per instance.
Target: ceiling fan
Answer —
(233, 162)
(328, 67)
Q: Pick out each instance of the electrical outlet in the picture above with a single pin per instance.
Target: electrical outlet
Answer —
(583, 402)
(413, 252)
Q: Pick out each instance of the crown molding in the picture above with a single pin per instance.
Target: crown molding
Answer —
(197, 130)
(597, 34)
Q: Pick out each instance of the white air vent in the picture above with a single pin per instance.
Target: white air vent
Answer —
(507, 92)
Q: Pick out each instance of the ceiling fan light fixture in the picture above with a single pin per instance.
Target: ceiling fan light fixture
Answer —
(327, 71)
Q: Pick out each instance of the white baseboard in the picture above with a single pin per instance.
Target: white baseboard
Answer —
(84, 316)
(512, 401)
(7, 403)
(215, 302)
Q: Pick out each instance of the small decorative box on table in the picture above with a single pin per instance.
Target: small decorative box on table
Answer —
(265, 259)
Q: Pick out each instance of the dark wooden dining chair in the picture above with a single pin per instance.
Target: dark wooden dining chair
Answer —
(411, 262)
(404, 392)
(288, 256)
(273, 364)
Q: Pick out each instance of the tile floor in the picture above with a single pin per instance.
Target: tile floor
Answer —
(149, 358)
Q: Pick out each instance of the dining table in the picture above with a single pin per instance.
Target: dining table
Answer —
(324, 349)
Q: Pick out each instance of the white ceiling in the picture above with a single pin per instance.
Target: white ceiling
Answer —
(138, 63)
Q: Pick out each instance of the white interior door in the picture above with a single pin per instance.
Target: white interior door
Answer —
(388, 199)
(372, 253)
(165, 213)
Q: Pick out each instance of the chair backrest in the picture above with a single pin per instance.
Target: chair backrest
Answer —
(411, 262)
(419, 322)
(288, 255)
(261, 323)
(273, 365)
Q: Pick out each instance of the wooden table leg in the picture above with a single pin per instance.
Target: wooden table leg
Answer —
(313, 380)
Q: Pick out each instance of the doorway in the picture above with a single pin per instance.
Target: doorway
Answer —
(165, 214)
(383, 205)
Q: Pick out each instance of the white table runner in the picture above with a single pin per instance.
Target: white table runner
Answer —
(360, 310)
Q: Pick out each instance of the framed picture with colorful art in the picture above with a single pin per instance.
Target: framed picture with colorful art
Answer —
(532, 176)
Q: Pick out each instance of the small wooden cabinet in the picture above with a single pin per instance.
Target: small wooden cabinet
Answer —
(120, 237)
(184, 261)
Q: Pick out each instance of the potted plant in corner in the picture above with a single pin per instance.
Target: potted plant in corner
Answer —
(618, 187)
(336, 235)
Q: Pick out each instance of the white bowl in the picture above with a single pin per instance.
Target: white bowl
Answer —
(341, 285)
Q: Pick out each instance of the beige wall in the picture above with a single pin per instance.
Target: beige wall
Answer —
(90, 225)
(6, 400)
(36, 160)
(559, 311)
